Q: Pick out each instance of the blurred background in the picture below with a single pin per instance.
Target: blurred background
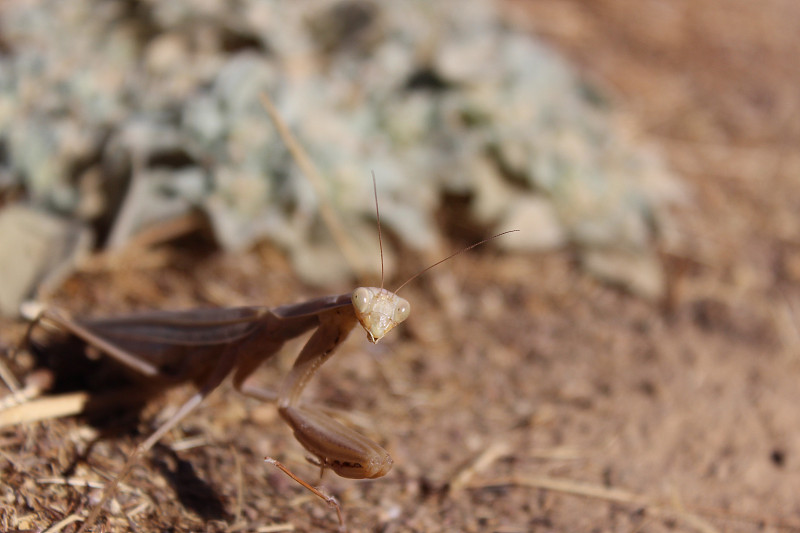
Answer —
(627, 360)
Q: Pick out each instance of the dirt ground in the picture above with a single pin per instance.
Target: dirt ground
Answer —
(537, 399)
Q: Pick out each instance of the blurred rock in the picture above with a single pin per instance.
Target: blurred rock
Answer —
(37, 251)
(538, 224)
(639, 272)
(435, 97)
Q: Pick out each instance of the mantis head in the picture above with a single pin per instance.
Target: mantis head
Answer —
(379, 310)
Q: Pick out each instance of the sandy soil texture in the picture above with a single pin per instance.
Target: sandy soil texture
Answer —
(521, 395)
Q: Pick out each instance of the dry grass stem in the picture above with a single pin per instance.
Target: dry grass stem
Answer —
(239, 486)
(44, 409)
(559, 453)
(688, 514)
(77, 482)
(328, 214)
(189, 443)
(276, 528)
(138, 252)
(63, 523)
(492, 452)
(8, 378)
(20, 396)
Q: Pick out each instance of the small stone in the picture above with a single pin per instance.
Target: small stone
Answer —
(538, 225)
(640, 272)
(39, 250)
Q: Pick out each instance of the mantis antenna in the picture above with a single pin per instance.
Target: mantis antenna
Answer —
(378, 216)
(470, 247)
(421, 272)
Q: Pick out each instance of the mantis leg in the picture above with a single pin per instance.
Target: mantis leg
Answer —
(130, 360)
(337, 447)
(224, 366)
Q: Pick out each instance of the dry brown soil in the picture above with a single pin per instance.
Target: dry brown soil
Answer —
(538, 399)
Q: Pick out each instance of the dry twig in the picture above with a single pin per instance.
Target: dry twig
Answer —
(332, 221)
(688, 514)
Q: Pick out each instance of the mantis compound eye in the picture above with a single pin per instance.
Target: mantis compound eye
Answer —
(361, 299)
(402, 310)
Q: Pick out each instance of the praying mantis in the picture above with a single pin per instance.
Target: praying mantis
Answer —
(205, 346)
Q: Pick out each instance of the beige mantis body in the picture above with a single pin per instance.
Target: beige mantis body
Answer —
(205, 346)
